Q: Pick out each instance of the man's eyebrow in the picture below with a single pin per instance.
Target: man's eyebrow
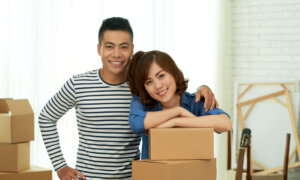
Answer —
(124, 43)
(109, 43)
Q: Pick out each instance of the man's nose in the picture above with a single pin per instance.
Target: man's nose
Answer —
(116, 52)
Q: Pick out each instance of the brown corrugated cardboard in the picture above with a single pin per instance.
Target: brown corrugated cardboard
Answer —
(34, 173)
(181, 143)
(16, 121)
(14, 157)
(174, 170)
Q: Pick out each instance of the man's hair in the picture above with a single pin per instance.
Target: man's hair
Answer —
(138, 73)
(115, 24)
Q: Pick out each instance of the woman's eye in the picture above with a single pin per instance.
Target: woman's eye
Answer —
(161, 76)
(148, 83)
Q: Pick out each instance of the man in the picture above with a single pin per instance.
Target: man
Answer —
(102, 99)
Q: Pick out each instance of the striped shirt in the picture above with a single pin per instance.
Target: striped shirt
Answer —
(107, 145)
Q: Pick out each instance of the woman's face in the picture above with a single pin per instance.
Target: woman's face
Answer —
(160, 84)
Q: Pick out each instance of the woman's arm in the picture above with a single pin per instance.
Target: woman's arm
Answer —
(154, 119)
(141, 120)
(220, 123)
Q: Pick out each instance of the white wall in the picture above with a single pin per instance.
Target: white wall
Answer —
(265, 42)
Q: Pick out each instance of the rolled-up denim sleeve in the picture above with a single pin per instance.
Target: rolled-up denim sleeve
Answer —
(137, 115)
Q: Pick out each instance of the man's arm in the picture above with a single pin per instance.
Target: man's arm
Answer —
(206, 93)
(55, 108)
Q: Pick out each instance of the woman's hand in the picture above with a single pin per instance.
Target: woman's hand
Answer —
(185, 113)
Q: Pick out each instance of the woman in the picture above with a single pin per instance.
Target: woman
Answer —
(159, 98)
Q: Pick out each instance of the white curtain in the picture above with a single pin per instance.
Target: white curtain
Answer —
(44, 42)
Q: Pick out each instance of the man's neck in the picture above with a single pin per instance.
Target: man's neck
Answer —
(112, 78)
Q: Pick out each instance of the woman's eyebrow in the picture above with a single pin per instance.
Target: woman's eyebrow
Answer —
(158, 72)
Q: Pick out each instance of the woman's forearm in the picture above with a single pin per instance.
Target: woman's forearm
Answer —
(220, 123)
(153, 119)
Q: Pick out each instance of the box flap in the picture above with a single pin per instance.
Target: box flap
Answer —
(3, 106)
(19, 107)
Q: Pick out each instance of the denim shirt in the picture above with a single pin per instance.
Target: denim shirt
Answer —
(138, 112)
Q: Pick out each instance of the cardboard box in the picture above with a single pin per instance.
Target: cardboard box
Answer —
(174, 170)
(16, 121)
(181, 143)
(34, 173)
(14, 157)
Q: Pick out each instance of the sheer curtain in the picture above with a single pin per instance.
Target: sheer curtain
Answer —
(44, 42)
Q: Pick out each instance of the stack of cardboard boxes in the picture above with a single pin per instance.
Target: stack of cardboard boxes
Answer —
(16, 132)
(178, 154)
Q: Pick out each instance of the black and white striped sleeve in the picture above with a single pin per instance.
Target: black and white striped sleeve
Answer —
(55, 108)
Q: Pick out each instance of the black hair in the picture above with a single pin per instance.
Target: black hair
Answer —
(115, 23)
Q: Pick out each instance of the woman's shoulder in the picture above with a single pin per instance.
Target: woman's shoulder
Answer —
(190, 97)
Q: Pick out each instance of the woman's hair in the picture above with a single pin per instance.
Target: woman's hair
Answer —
(138, 74)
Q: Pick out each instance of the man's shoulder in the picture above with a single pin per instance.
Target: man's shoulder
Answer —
(90, 73)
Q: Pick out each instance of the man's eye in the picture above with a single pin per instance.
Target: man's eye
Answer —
(108, 47)
(124, 47)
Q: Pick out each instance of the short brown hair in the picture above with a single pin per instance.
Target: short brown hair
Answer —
(138, 73)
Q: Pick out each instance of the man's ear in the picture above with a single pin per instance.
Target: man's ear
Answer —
(99, 49)
(132, 49)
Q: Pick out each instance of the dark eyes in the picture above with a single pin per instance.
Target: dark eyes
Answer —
(124, 47)
(161, 76)
(148, 83)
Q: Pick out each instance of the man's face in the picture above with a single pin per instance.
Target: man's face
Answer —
(115, 50)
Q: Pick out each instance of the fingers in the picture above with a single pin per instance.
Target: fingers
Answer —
(207, 104)
(68, 173)
(80, 174)
(198, 96)
(213, 103)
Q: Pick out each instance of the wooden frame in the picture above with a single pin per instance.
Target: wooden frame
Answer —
(241, 117)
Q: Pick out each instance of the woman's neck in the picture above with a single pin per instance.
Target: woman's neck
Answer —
(174, 102)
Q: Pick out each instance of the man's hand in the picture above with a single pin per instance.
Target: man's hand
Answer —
(206, 93)
(68, 173)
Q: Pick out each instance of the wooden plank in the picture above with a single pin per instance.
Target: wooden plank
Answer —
(248, 111)
(258, 164)
(293, 154)
(275, 83)
(280, 102)
(268, 171)
(229, 150)
(245, 90)
(293, 122)
(240, 117)
(261, 98)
